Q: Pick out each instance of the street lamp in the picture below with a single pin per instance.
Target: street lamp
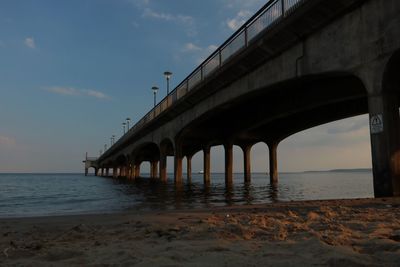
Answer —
(155, 89)
(127, 123)
(167, 75)
(123, 126)
(112, 139)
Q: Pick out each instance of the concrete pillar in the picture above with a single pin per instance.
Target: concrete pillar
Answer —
(115, 172)
(228, 164)
(273, 162)
(132, 171)
(102, 172)
(189, 168)
(247, 163)
(178, 164)
(96, 172)
(385, 144)
(107, 172)
(137, 170)
(153, 171)
(86, 171)
(206, 165)
(163, 165)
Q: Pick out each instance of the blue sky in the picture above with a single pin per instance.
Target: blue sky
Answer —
(72, 71)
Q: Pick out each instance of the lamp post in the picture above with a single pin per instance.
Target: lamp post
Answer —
(127, 123)
(155, 89)
(123, 126)
(167, 75)
(112, 139)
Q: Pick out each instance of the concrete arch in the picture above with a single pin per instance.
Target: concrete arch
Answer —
(145, 152)
(391, 75)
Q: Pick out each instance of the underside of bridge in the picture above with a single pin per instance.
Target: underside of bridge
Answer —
(272, 113)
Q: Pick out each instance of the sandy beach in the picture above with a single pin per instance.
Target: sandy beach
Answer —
(362, 232)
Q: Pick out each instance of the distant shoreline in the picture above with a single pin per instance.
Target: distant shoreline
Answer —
(282, 172)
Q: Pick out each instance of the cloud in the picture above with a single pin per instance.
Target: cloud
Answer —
(187, 22)
(190, 47)
(95, 94)
(63, 90)
(241, 17)
(7, 141)
(199, 53)
(349, 126)
(30, 42)
(70, 91)
(240, 4)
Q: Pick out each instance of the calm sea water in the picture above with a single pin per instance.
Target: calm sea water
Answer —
(24, 195)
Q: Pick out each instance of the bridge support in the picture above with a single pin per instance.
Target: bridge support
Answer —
(154, 169)
(107, 172)
(246, 163)
(228, 164)
(137, 170)
(189, 168)
(273, 162)
(206, 165)
(102, 172)
(163, 165)
(385, 143)
(178, 164)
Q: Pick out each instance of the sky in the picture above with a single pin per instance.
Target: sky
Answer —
(72, 71)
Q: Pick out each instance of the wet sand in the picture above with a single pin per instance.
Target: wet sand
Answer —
(362, 232)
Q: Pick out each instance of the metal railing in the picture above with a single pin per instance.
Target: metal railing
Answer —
(266, 17)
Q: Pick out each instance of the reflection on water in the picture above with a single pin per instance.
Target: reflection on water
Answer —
(35, 194)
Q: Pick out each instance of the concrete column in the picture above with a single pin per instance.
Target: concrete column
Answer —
(107, 172)
(96, 172)
(154, 167)
(178, 164)
(163, 165)
(132, 171)
(86, 171)
(247, 163)
(385, 144)
(206, 165)
(137, 170)
(273, 162)
(189, 168)
(102, 172)
(228, 164)
(115, 172)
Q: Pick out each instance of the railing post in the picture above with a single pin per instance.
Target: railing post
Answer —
(245, 37)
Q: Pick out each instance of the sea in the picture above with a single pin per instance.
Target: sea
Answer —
(31, 195)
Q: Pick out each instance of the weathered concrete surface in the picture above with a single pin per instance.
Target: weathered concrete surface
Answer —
(327, 61)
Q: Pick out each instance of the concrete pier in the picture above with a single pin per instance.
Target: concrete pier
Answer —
(206, 165)
(304, 70)
(273, 162)
(228, 163)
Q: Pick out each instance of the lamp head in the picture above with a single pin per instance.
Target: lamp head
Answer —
(168, 74)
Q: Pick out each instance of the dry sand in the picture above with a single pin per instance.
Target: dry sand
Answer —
(364, 232)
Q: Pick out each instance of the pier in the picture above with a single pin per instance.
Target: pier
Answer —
(294, 65)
